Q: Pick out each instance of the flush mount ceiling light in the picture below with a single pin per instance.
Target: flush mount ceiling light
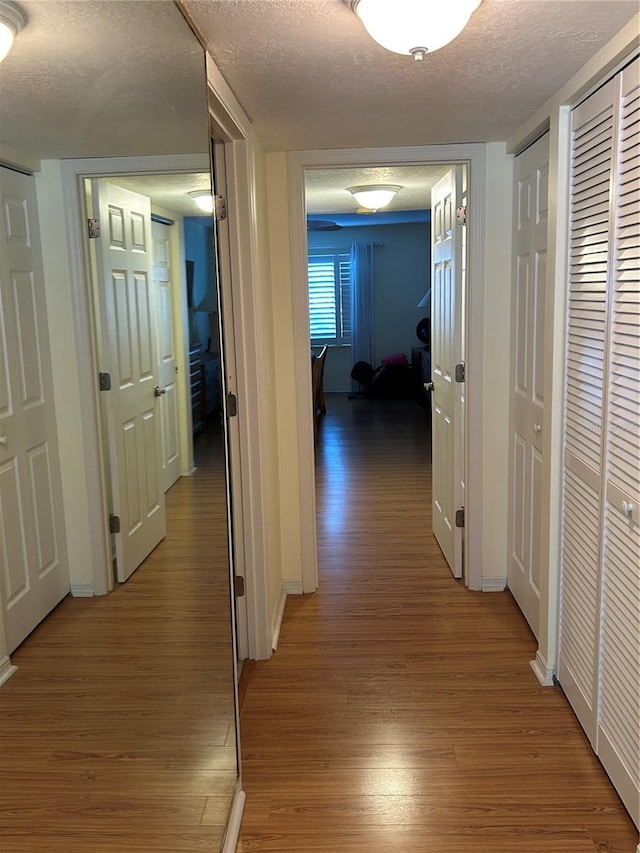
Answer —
(414, 27)
(203, 199)
(374, 196)
(12, 20)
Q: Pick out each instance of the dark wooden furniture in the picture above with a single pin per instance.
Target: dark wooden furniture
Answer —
(198, 388)
(317, 387)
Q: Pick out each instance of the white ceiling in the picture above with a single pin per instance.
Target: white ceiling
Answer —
(309, 76)
(170, 192)
(327, 189)
(110, 78)
(97, 78)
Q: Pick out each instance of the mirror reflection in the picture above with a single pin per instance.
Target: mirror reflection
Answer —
(121, 713)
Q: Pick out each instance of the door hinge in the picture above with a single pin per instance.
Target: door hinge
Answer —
(232, 405)
(460, 517)
(114, 524)
(460, 372)
(461, 215)
(104, 381)
(93, 227)
(219, 208)
(238, 586)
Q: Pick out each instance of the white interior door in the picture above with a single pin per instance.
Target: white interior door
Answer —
(129, 355)
(446, 352)
(527, 392)
(164, 282)
(34, 573)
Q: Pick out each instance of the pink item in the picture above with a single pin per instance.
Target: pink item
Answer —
(398, 359)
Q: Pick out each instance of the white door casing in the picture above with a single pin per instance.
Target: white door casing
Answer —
(527, 392)
(164, 282)
(446, 352)
(229, 384)
(129, 350)
(34, 574)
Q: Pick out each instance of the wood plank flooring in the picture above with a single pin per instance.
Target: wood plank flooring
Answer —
(117, 732)
(400, 713)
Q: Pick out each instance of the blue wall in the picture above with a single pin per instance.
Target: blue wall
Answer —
(198, 247)
(401, 276)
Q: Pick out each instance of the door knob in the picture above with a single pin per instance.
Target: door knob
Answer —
(4, 440)
(627, 509)
(537, 428)
(429, 386)
(158, 391)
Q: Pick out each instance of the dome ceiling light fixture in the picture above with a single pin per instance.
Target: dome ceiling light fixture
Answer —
(374, 196)
(414, 27)
(203, 199)
(12, 20)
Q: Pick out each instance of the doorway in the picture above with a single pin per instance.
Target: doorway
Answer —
(154, 299)
(331, 216)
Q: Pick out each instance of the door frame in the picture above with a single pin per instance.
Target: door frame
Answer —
(472, 155)
(74, 173)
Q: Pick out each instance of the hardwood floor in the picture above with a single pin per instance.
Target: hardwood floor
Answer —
(400, 714)
(117, 732)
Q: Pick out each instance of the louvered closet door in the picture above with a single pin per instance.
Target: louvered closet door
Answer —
(619, 720)
(591, 169)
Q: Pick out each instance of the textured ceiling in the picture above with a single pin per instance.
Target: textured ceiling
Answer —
(327, 188)
(170, 192)
(102, 78)
(309, 76)
(90, 78)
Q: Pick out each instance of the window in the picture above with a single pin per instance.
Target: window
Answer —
(330, 298)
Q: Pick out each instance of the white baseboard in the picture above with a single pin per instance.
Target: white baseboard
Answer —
(544, 672)
(235, 820)
(497, 584)
(6, 669)
(287, 587)
(82, 590)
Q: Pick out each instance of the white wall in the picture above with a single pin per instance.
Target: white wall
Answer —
(497, 321)
(284, 375)
(69, 404)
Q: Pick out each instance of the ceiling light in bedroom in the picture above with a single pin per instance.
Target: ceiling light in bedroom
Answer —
(375, 196)
(203, 199)
(12, 20)
(414, 27)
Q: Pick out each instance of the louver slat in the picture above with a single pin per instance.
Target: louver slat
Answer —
(588, 280)
(599, 660)
(619, 717)
(589, 249)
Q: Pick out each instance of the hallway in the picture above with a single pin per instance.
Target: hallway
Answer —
(399, 713)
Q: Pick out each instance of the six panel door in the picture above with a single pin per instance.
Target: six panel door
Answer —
(34, 570)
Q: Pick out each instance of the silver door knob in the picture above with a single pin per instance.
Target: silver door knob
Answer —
(158, 391)
(429, 386)
(4, 440)
(537, 428)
